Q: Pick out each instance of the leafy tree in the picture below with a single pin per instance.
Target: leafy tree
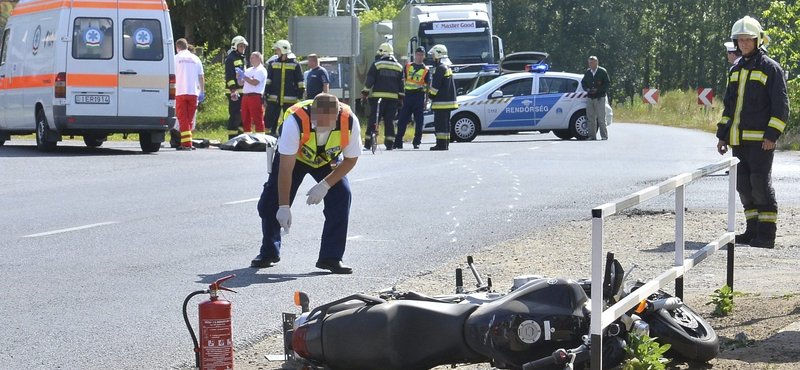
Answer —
(782, 22)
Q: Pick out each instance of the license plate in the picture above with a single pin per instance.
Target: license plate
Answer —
(92, 99)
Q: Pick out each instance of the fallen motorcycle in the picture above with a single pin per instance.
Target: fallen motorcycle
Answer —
(541, 323)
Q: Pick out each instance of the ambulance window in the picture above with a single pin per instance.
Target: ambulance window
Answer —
(518, 87)
(141, 39)
(4, 50)
(93, 38)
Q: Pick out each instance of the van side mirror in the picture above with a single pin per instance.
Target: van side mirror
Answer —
(496, 94)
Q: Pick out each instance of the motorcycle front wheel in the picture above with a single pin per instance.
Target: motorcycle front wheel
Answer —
(691, 336)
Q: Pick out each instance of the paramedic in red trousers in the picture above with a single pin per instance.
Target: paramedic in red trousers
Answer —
(756, 108)
(321, 138)
(285, 84)
(189, 90)
(235, 65)
(442, 95)
(417, 81)
(255, 79)
(385, 81)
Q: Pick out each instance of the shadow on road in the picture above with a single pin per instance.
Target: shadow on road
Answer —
(19, 151)
(248, 276)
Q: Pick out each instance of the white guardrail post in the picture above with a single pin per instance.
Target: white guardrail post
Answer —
(602, 316)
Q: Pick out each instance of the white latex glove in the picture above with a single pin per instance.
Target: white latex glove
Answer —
(284, 217)
(318, 192)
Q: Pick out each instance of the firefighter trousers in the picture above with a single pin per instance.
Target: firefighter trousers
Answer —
(234, 116)
(273, 114)
(386, 111)
(336, 211)
(754, 185)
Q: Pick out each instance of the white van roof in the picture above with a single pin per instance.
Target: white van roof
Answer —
(33, 6)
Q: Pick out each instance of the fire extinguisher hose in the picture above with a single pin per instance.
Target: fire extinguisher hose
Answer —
(189, 326)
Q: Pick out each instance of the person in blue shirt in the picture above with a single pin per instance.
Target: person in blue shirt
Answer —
(317, 80)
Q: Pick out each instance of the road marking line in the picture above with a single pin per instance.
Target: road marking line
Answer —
(365, 179)
(501, 155)
(534, 148)
(241, 201)
(70, 229)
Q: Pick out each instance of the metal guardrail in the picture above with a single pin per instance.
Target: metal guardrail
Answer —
(602, 316)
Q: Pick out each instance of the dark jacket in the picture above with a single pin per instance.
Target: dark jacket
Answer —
(385, 79)
(233, 60)
(599, 81)
(443, 88)
(756, 102)
(285, 84)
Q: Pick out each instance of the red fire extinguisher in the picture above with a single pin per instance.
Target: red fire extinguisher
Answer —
(215, 350)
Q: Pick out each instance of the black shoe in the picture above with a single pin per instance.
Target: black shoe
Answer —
(398, 145)
(744, 238)
(436, 147)
(260, 262)
(184, 148)
(416, 146)
(762, 243)
(389, 147)
(335, 266)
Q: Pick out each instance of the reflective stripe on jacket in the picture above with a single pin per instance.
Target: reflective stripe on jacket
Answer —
(385, 79)
(417, 77)
(443, 88)
(285, 83)
(756, 102)
(309, 151)
(232, 61)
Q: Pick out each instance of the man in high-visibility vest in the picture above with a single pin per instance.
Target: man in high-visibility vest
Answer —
(321, 138)
(417, 82)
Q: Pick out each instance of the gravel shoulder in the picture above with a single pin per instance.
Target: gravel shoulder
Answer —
(763, 332)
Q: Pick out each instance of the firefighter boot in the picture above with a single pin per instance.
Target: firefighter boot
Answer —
(389, 143)
(441, 144)
(368, 142)
(766, 235)
(750, 232)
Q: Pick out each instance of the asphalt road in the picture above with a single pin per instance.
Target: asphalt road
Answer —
(99, 247)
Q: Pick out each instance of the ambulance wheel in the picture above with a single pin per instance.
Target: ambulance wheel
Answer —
(43, 133)
(579, 125)
(464, 127)
(147, 144)
(92, 141)
(563, 134)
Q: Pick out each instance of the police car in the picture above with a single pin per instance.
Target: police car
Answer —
(537, 100)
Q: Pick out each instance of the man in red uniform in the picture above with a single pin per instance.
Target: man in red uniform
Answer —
(189, 90)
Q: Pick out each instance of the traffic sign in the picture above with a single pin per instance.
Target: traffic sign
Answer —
(705, 96)
(650, 96)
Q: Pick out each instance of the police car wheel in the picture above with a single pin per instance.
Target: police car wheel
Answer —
(464, 127)
(579, 125)
(563, 134)
(43, 133)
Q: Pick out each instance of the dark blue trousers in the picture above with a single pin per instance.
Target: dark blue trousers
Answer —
(413, 104)
(336, 211)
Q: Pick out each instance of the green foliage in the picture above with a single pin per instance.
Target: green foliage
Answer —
(781, 22)
(722, 299)
(644, 353)
(212, 114)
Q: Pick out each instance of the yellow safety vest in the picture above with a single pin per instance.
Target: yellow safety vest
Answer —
(309, 151)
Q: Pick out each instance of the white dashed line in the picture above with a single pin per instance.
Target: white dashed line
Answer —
(241, 201)
(70, 229)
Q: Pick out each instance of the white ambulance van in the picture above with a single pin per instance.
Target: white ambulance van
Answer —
(87, 68)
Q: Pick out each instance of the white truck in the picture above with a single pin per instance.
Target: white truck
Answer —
(373, 34)
(464, 28)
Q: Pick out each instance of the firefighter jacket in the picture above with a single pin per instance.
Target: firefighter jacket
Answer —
(233, 61)
(417, 77)
(756, 102)
(385, 79)
(312, 153)
(285, 84)
(599, 80)
(443, 88)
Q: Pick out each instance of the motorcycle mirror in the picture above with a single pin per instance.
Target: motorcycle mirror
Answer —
(301, 299)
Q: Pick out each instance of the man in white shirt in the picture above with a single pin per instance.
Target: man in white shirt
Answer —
(189, 90)
(255, 79)
(320, 137)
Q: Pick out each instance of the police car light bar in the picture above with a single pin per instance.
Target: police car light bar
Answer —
(490, 67)
(537, 68)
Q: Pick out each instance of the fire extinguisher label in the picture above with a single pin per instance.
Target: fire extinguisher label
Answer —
(216, 347)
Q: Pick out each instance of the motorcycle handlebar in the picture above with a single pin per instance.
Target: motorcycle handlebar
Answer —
(558, 355)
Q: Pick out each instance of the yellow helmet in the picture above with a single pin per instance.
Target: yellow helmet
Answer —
(748, 28)
(238, 40)
(385, 49)
(284, 45)
(438, 51)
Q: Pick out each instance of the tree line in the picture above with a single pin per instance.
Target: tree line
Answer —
(663, 44)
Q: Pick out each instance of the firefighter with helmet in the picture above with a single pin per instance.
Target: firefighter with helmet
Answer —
(756, 109)
(384, 83)
(285, 84)
(442, 95)
(235, 64)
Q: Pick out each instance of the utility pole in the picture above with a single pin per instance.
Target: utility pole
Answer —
(351, 7)
(255, 26)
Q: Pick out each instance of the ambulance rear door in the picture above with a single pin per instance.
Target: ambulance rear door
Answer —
(145, 61)
(92, 63)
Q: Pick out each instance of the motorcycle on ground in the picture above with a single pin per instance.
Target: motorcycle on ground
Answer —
(541, 323)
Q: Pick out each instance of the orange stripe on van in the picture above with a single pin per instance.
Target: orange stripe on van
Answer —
(39, 7)
(92, 80)
(42, 5)
(23, 82)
